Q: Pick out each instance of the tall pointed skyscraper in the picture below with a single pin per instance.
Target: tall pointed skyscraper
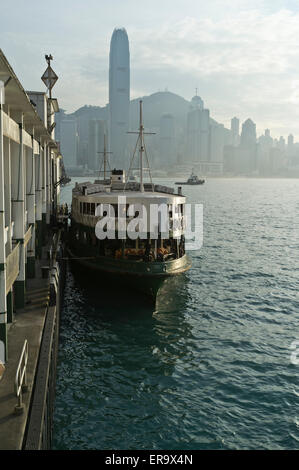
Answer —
(119, 97)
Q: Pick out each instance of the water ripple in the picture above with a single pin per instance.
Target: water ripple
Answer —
(210, 368)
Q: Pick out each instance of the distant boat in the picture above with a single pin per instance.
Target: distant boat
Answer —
(192, 180)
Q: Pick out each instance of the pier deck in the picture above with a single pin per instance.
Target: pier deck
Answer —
(28, 324)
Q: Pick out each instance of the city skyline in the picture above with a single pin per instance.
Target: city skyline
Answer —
(241, 56)
(186, 137)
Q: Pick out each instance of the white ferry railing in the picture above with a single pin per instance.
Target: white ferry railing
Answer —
(21, 378)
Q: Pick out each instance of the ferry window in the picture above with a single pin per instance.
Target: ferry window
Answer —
(115, 207)
(88, 208)
(92, 208)
(81, 207)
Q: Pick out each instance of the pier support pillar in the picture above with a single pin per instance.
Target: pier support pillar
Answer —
(7, 193)
(19, 289)
(30, 206)
(3, 341)
(3, 305)
(48, 186)
(44, 228)
(9, 301)
(18, 209)
(38, 239)
(44, 195)
(31, 255)
(39, 203)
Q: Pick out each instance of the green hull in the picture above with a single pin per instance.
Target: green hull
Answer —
(146, 277)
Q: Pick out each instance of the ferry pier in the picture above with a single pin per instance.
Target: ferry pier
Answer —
(30, 272)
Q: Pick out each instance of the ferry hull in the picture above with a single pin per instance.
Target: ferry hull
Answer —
(145, 277)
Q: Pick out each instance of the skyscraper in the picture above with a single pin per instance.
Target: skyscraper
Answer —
(167, 140)
(248, 147)
(216, 142)
(265, 144)
(198, 128)
(248, 135)
(69, 142)
(119, 97)
(235, 138)
(96, 132)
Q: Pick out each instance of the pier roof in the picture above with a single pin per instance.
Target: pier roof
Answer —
(18, 100)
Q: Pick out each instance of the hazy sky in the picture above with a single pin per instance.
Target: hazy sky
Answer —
(242, 55)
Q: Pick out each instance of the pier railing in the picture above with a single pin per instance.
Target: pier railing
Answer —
(40, 421)
(28, 235)
(12, 267)
(21, 378)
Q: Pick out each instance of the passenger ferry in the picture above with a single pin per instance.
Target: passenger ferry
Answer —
(139, 259)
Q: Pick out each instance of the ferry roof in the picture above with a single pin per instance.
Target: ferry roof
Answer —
(100, 189)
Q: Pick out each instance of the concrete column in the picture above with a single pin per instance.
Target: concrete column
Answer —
(7, 192)
(8, 220)
(30, 203)
(9, 301)
(48, 184)
(3, 304)
(44, 194)
(53, 193)
(38, 201)
(18, 210)
(57, 178)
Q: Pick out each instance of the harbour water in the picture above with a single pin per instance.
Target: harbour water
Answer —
(210, 368)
